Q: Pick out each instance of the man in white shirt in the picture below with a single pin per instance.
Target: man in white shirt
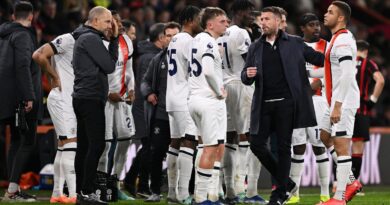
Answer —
(206, 102)
(182, 127)
(59, 104)
(310, 26)
(342, 93)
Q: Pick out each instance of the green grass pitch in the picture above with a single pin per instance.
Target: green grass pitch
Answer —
(374, 195)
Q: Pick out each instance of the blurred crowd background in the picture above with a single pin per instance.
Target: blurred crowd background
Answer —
(370, 22)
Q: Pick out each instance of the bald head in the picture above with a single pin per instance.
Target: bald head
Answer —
(100, 18)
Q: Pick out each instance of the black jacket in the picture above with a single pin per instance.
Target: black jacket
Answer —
(150, 83)
(146, 50)
(20, 77)
(294, 55)
(91, 64)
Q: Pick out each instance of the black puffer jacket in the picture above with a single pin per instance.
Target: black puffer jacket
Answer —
(20, 77)
(91, 64)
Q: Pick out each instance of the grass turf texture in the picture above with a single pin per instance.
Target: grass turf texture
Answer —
(374, 195)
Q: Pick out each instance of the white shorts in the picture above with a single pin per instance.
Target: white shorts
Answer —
(209, 116)
(238, 106)
(62, 115)
(119, 120)
(344, 128)
(311, 134)
(181, 123)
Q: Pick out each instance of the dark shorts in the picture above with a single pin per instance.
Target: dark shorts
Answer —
(361, 129)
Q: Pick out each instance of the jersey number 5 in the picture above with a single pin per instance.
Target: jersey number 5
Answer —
(172, 62)
(191, 70)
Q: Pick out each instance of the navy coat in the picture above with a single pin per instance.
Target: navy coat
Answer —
(294, 54)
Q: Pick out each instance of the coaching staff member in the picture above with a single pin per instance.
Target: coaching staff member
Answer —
(91, 63)
(20, 85)
(282, 98)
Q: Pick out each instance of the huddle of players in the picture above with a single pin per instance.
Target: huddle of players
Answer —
(55, 58)
(205, 98)
(205, 92)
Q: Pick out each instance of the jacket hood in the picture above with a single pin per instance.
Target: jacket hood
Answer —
(79, 30)
(147, 47)
(85, 29)
(9, 27)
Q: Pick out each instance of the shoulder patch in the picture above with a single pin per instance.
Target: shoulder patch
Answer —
(59, 41)
(210, 45)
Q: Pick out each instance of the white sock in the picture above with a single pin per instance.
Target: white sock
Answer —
(214, 185)
(351, 177)
(120, 156)
(344, 164)
(254, 168)
(199, 152)
(239, 184)
(323, 173)
(297, 163)
(57, 173)
(184, 167)
(67, 167)
(13, 187)
(202, 184)
(229, 168)
(172, 171)
(103, 161)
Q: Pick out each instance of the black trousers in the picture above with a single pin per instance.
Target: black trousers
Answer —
(140, 167)
(22, 146)
(90, 141)
(276, 117)
(160, 138)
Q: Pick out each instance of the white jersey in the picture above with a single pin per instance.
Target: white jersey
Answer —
(204, 45)
(119, 83)
(63, 49)
(235, 42)
(177, 80)
(344, 46)
(320, 46)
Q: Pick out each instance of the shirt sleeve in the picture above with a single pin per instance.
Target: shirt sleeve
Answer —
(343, 48)
(372, 67)
(61, 43)
(242, 41)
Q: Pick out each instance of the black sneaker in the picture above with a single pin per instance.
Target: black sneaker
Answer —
(18, 196)
(292, 188)
(90, 199)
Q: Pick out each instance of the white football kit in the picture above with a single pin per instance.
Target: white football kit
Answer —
(59, 103)
(312, 134)
(344, 48)
(119, 119)
(206, 83)
(180, 120)
(235, 42)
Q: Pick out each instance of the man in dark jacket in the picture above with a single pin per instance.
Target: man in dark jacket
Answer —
(153, 90)
(20, 88)
(282, 98)
(91, 63)
(147, 50)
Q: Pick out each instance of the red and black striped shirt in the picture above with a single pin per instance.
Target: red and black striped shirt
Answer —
(365, 79)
